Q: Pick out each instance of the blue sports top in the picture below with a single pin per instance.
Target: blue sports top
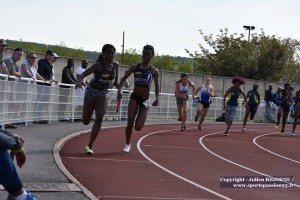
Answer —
(233, 97)
(252, 98)
(143, 77)
(203, 95)
(104, 78)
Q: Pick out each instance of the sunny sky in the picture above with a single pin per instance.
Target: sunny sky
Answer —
(169, 25)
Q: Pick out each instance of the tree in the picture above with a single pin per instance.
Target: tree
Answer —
(263, 57)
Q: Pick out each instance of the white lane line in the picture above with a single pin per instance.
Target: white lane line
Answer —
(147, 198)
(107, 159)
(173, 173)
(171, 147)
(234, 163)
(281, 156)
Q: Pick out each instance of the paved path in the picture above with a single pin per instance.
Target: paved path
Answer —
(41, 174)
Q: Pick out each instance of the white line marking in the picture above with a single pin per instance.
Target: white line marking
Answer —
(153, 198)
(172, 173)
(171, 147)
(254, 141)
(234, 163)
(107, 159)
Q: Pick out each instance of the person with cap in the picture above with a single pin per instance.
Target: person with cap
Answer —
(3, 68)
(45, 70)
(52, 61)
(80, 70)
(9, 176)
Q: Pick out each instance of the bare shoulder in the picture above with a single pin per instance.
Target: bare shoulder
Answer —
(155, 71)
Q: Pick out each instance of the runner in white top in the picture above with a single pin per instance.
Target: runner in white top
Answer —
(182, 88)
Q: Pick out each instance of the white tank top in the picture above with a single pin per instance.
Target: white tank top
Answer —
(184, 89)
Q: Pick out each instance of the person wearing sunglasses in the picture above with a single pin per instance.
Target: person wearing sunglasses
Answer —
(29, 70)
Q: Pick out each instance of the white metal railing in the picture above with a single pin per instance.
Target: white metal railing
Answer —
(24, 100)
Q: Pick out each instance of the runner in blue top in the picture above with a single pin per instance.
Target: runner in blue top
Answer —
(232, 104)
(206, 91)
(138, 105)
(182, 88)
(253, 103)
(105, 76)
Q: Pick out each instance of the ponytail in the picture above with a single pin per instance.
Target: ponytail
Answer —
(100, 58)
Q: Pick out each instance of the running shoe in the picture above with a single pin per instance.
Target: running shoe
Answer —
(89, 150)
(30, 196)
(276, 125)
(282, 133)
(293, 134)
(199, 127)
(196, 118)
(127, 148)
(226, 133)
(243, 129)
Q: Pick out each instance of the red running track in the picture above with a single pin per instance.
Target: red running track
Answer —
(166, 163)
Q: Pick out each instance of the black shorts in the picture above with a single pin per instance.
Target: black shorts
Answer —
(252, 109)
(285, 107)
(205, 104)
(141, 101)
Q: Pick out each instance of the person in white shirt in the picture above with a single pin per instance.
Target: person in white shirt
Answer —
(28, 68)
(80, 70)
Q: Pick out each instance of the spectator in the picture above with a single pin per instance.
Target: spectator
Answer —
(67, 78)
(45, 69)
(270, 107)
(80, 70)
(9, 176)
(14, 70)
(52, 61)
(28, 68)
(3, 68)
(11, 62)
(126, 84)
